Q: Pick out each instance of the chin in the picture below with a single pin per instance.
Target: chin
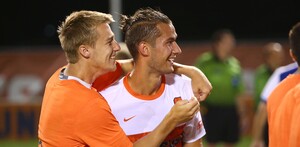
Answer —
(113, 68)
(169, 70)
(110, 68)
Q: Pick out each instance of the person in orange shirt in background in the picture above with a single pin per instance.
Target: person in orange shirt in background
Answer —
(73, 113)
(293, 104)
(281, 104)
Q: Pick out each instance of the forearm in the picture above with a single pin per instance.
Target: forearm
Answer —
(241, 106)
(126, 65)
(197, 143)
(190, 71)
(260, 119)
(200, 84)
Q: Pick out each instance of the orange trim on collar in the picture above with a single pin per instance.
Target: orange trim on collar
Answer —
(145, 97)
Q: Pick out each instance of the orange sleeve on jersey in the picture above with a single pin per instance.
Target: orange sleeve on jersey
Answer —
(107, 79)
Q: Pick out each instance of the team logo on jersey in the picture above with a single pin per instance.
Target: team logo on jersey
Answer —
(129, 118)
(176, 99)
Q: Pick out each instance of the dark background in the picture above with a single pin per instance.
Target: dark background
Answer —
(34, 22)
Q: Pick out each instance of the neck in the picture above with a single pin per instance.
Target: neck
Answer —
(220, 58)
(83, 72)
(143, 81)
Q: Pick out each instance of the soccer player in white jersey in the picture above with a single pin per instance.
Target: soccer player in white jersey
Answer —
(142, 98)
(279, 74)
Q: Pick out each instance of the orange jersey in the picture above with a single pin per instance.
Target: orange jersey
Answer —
(294, 138)
(280, 108)
(107, 79)
(74, 114)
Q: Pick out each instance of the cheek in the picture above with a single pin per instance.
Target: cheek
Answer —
(167, 52)
(102, 57)
(105, 53)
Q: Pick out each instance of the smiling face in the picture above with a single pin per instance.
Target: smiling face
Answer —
(105, 48)
(165, 50)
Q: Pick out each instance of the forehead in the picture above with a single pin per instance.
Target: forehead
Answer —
(227, 37)
(104, 31)
(167, 30)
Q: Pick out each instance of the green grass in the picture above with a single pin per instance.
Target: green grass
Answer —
(18, 143)
(245, 142)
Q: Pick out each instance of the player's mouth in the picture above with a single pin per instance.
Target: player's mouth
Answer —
(113, 56)
(171, 60)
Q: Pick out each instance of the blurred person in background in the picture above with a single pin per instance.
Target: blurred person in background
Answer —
(223, 108)
(273, 56)
(260, 120)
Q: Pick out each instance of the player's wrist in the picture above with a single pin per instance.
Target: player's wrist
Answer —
(171, 120)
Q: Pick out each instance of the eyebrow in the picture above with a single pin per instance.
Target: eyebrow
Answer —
(109, 39)
(172, 38)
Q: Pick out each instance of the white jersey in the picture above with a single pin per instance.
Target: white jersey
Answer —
(278, 75)
(140, 114)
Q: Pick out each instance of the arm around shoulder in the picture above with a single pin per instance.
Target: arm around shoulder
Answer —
(126, 65)
(200, 84)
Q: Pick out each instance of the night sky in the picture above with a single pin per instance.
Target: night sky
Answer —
(34, 22)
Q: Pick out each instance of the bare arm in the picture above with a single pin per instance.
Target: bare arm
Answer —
(259, 121)
(197, 143)
(126, 64)
(200, 84)
(181, 112)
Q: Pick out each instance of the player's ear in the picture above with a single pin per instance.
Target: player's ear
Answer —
(143, 48)
(84, 51)
(293, 55)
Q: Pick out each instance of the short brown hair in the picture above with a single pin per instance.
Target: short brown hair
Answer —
(142, 26)
(80, 28)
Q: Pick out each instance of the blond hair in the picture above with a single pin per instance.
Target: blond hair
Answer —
(80, 28)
